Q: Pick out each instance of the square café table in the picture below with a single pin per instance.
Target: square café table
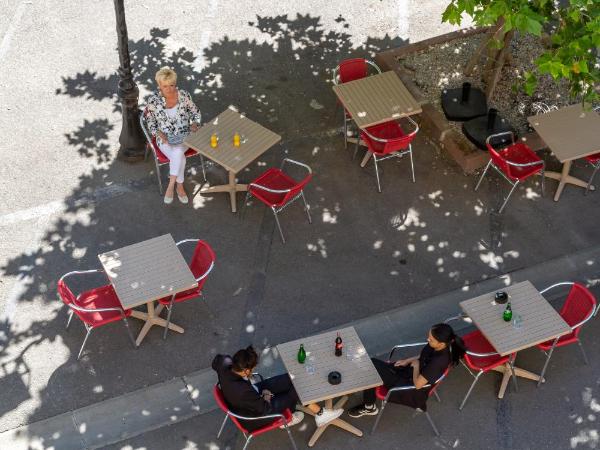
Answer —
(540, 323)
(145, 272)
(570, 133)
(255, 140)
(376, 99)
(355, 366)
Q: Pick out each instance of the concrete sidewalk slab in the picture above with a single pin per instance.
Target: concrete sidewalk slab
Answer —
(177, 400)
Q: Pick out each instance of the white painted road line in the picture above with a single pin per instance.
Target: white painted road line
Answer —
(14, 24)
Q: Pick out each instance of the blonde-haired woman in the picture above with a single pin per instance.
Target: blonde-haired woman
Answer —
(172, 114)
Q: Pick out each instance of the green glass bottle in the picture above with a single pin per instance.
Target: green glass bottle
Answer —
(507, 314)
(301, 354)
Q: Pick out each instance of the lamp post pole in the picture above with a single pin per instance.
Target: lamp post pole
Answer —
(131, 140)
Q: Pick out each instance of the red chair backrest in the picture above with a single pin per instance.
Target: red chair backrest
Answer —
(439, 380)
(218, 395)
(202, 259)
(498, 160)
(580, 303)
(65, 293)
(353, 69)
(294, 191)
(397, 144)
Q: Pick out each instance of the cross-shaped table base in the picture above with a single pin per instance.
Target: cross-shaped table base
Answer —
(337, 422)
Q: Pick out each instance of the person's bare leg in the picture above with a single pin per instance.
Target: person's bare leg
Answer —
(171, 187)
(180, 189)
(314, 408)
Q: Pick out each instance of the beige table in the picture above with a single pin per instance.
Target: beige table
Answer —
(376, 99)
(255, 140)
(540, 323)
(358, 373)
(145, 272)
(570, 133)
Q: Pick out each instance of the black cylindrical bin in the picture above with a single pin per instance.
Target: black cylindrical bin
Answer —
(466, 90)
(492, 113)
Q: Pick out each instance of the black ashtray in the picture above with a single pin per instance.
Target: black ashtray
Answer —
(501, 297)
(334, 377)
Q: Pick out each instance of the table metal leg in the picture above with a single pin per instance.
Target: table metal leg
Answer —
(152, 318)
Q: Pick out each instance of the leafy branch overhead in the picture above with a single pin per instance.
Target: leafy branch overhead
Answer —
(573, 26)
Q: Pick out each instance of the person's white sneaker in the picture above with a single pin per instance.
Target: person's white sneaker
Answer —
(297, 417)
(327, 415)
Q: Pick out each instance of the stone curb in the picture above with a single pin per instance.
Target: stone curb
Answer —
(179, 399)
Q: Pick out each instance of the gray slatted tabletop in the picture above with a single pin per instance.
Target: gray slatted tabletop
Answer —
(358, 372)
(147, 271)
(377, 99)
(255, 140)
(571, 132)
(540, 321)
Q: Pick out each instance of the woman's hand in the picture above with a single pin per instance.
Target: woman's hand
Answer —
(162, 136)
(267, 395)
(401, 363)
(194, 127)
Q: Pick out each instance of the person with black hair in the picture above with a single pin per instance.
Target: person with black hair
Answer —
(271, 396)
(444, 348)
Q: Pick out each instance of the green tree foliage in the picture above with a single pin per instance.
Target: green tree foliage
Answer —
(574, 29)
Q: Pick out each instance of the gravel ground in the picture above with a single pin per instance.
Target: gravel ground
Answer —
(441, 66)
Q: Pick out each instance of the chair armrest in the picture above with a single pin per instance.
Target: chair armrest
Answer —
(80, 272)
(205, 274)
(512, 137)
(396, 347)
(562, 283)
(295, 162)
(335, 79)
(375, 138)
(256, 374)
(274, 191)
(186, 241)
(373, 65)
(89, 310)
(460, 316)
(514, 164)
(481, 355)
(270, 416)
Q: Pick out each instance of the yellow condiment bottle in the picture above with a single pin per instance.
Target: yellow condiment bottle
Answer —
(236, 139)
(214, 141)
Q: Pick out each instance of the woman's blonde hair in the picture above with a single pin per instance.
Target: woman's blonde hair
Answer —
(166, 74)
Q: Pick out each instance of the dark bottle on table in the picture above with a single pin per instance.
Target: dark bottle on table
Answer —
(301, 354)
(507, 314)
(338, 345)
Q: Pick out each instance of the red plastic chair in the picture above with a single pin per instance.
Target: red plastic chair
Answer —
(594, 161)
(201, 265)
(388, 140)
(279, 420)
(579, 307)
(481, 358)
(96, 307)
(383, 393)
(515, 163)
(350, 70)
(160, 159)
(277, 190)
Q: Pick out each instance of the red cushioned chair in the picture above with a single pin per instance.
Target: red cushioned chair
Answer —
(481, 357)
(96, 307)
(579, 307)
(279, 420)
(201, 265)
(515, 163)
(160, 159)
(276, 189)
(388, 140)
(350, 70)
(383, 393)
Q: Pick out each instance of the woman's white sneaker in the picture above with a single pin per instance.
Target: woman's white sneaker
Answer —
(297, 417)
(327, 415)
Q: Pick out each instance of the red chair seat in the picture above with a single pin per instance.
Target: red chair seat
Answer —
(386, 130)
(182, 296)
(273, 179)
(381, 392)
(521, 154)
(101, 297)
(162, 159)
(567, 339)
(477, 343)
(594, 159)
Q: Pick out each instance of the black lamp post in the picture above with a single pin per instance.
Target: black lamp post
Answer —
(131, 139)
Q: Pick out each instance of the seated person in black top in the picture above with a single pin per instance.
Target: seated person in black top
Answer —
(443, 348)
(271, 396)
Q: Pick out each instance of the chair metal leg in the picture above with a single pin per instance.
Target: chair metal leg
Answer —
(306, 207)
(89, 331)
(587, 189)
(435, 430)
(412, 166)
(278, 225)
(170, 308)
(377, 173)
(356, 147)
(462, 405)
(243, 211)
(146, 153)
(222, 426)
(202, 164)
(291, 438)
(585, 358)
(483, 174)
(383, 403)
(70, 313)
(437, 397)
(248, 439)
(543, 178)
(507, 197)
(129, 332)
(547, 362)
(160, 188)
